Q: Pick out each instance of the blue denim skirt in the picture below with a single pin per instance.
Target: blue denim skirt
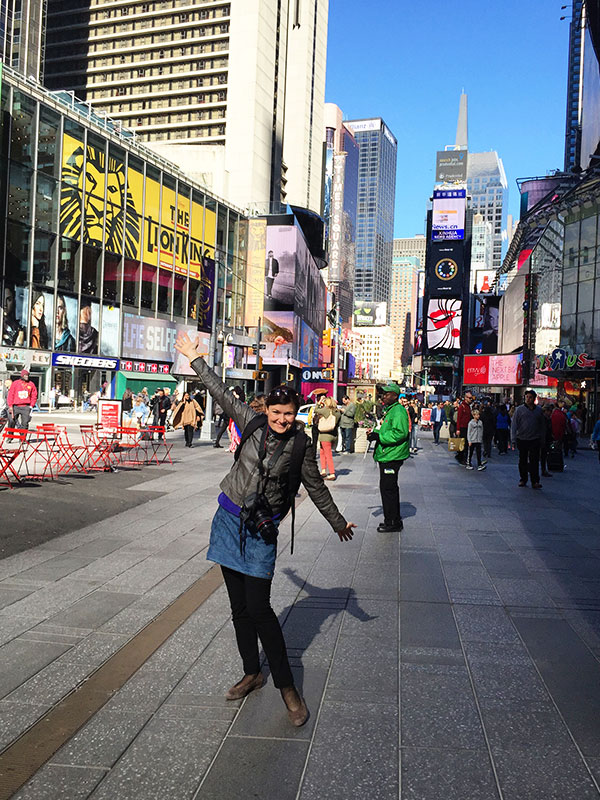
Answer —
(257, 558)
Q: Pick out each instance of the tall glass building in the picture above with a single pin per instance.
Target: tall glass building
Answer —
(488, 188)
(375, 213)
(108, 250)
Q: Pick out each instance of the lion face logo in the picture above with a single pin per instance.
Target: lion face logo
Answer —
(90, 185)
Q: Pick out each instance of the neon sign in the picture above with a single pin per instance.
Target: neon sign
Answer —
(560, 359)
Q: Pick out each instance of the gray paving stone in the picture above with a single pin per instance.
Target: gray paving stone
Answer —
(94, 610)
(10, 595)
(52, 683)
(485, 624)
(145, 691)
(552, 774)
(166, 760)
(15, 718)
(438, 708)
(354, 753)
(263, 768)
(57, 781)
(509, 687)
(428, 625)
(375, 668)
(22, 659)
(526, 730)
(95, 649)
(429, 774)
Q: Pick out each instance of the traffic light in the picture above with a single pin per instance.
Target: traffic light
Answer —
(259, 376)
(327, 337)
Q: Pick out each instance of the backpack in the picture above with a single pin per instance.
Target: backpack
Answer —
(327, 424)
(294, 477)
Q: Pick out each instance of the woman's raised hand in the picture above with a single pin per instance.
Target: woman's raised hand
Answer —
(186, 347)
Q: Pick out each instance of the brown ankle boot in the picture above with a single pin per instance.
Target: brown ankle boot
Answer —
(242, 688)
(296, 707)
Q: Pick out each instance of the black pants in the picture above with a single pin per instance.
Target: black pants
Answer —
(390, 493)
(529, 459)
(223, 423)
(461, 457)
(188, 432)
(487, 444)
(502, 436)
(253, 619)
(544, 458)
(437, 426)
(22, 415)
(269, 282)
(475, 447)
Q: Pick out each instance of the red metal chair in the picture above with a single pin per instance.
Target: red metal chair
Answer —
(100, 449)
(42, 447)
(129, 445)
(12, 448)
(155, 445)
(67, 457)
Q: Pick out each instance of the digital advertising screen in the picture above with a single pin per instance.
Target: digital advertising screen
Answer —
(444, 319)
(448, 217)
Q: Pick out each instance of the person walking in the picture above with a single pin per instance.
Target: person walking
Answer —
(547, 440)
(22, 397)
(391, 451)
(127, 405)
(572, 434)
(463, 417)
(160, 406)
(187, 415)
(328, 417)
(527, 429)
(438, 417)
(347, 424)
(596, 435)
(488, 418)
(503, 422)
(413, 413)
(475, 438)
(256, 494)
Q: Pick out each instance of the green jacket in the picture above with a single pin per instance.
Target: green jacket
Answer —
(393, 435)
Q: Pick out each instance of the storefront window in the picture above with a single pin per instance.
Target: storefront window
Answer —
(68, 264)
(48, 142)
(44, 257)
(46, 203)
(18, 239)
(179, 285)
(131, 282)
(91, 266)
(22, 129)
(148, 287)
(19, 193)
(111, 288)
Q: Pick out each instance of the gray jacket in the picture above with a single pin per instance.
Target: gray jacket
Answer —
(347, 420)
(528, 423)
(475, 432)
(241, 482)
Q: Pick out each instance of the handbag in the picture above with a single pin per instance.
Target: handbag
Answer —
(456, 444)
(327, 424)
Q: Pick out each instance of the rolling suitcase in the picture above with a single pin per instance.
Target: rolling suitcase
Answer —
(555, 460)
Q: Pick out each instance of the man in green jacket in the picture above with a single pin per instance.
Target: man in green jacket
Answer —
(391, 451)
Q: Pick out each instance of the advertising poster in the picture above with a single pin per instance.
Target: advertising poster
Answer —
(451, 166)
(109, 341)
(148, 339)
(135, 202)
(278, 335)
(255, 272)
(41, 322)
(14, 319)
(65, 324)
(89, 324)
(109, 413)
(445, 261)
(169, 243)
(484, 280)
(494, 370)
(206, 296)
(151, 219)
(444, 319)
(484, 338)
(369, 313)
(309, 346)
(196, 238)
(102, 177)
(448, 219)
(311, 293)
(280, 268)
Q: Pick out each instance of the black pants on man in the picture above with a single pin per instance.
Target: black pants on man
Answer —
(502, 437)
(222, 427)
(253, 619)
(529, 459)
(437, 426)
(488, 438)
(390, 492)
(461, 457)
(21, 417)
(347, 440)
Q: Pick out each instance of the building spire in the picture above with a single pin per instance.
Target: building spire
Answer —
(462, 128)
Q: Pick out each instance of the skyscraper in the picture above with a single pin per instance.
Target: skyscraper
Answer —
(574, 83)
(22, 36)
(487, 185)
(407, 262)
(375, 214)
(230, 90)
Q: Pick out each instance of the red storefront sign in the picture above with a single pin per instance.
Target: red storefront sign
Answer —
(494, 370)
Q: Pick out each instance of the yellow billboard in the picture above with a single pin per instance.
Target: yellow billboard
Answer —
(151, 222)
(135, 201)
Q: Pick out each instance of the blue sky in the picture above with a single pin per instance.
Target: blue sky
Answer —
(408, 62)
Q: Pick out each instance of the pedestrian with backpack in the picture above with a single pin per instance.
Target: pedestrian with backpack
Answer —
(273, 458)
(328, 416)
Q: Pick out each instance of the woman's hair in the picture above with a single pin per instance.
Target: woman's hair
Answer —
(127, 394)
(330, 402)
(60, 298)
(283, 395)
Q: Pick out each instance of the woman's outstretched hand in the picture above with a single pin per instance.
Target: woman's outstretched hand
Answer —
(186, 347)
(347, 533)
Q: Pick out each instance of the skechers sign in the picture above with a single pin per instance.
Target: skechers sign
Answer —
(85, 362)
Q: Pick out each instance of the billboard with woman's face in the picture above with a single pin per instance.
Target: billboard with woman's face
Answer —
(14, 322)
(65, 323)
(40, 321)
(89, 322)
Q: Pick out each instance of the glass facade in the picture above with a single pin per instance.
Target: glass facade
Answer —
(93, 230)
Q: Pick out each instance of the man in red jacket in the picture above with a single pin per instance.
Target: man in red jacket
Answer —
(558, 421)
(22, 397)
(463, 418)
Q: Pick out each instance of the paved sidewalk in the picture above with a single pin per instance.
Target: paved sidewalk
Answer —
(459, 660)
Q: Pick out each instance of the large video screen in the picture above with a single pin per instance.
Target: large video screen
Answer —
(444, 319)
(448, 219)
